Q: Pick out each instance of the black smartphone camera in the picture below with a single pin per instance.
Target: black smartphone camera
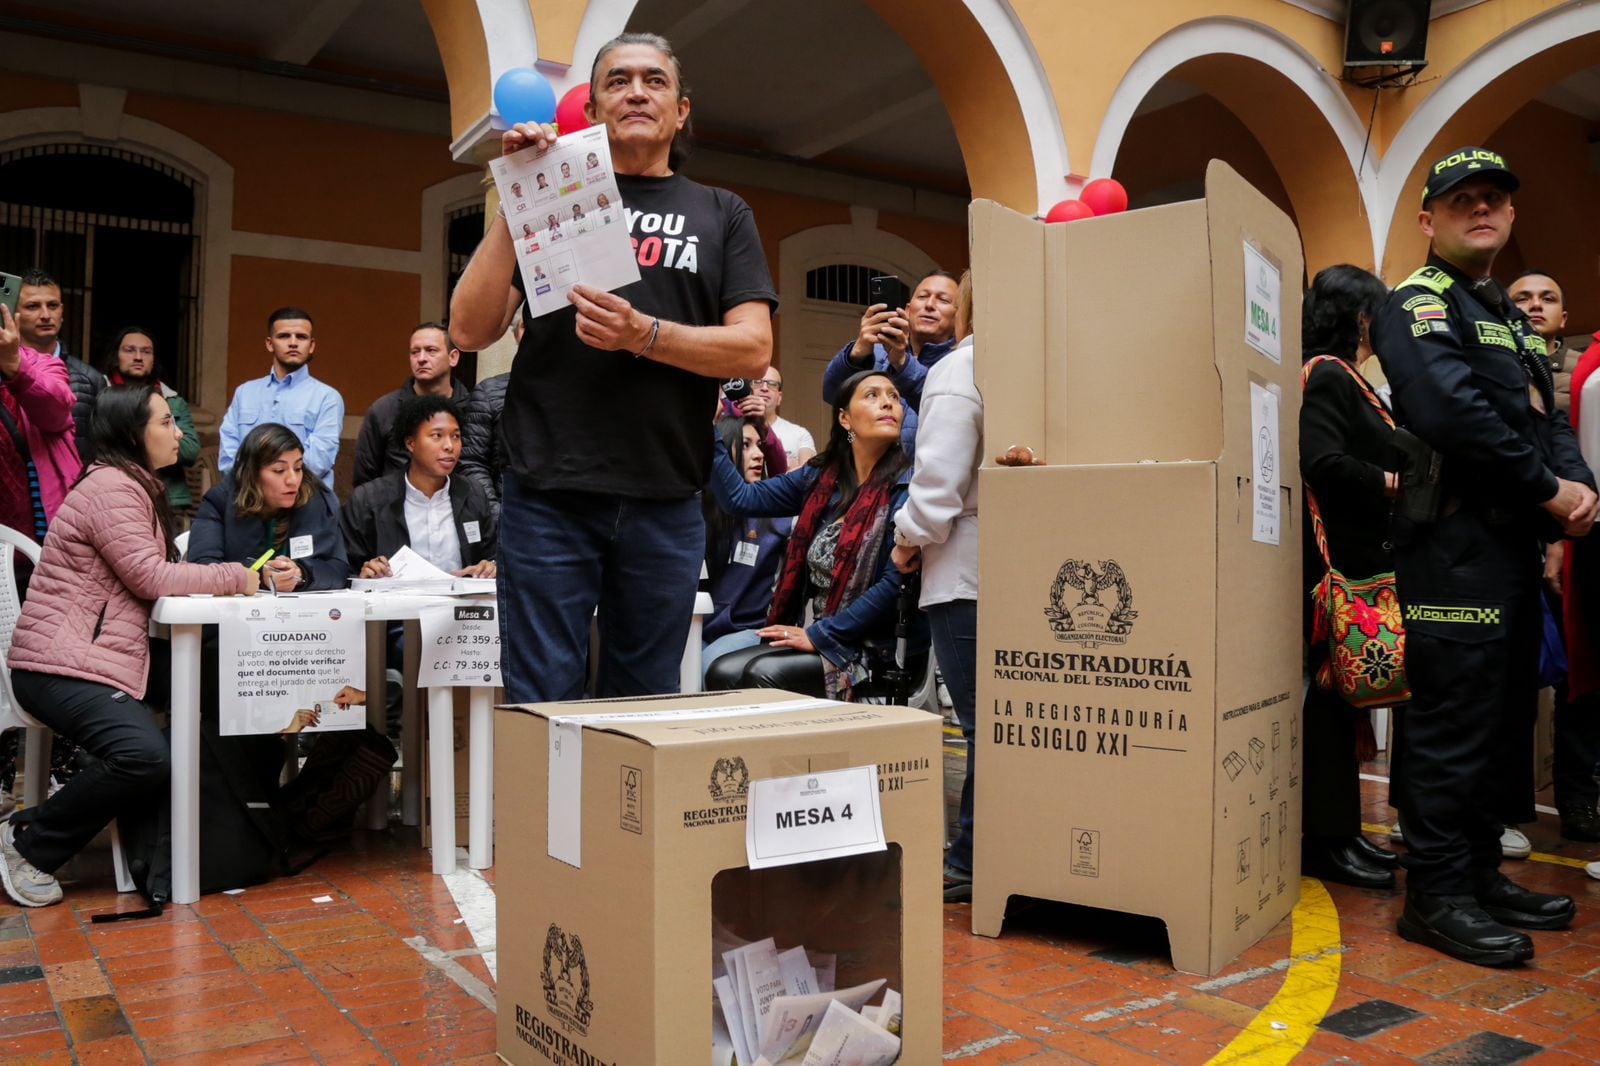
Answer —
(736, 389)
(889, 290)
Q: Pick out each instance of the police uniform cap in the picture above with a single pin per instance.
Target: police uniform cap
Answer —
(1464, 163)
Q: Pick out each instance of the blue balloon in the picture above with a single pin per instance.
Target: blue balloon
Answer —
(523, 95)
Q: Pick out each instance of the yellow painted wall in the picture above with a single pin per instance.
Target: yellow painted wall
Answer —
(306, 177)
(363, 323)
(779, 215)
(1558, 206)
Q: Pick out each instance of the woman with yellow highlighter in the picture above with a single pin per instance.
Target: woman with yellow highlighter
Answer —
(270, 507)
(80, 655)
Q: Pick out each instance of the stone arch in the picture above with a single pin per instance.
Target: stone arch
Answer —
(1473, 100)
(1313, 135)
(213, 177)
(983, 44)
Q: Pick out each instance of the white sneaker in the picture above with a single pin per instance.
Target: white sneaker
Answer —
(24, 882)
(1514, 844)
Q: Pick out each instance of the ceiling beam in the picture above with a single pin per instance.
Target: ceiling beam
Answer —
(301, 42)
(704, 18)
(823, 135)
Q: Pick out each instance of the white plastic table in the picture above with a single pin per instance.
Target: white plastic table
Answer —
(186, 614)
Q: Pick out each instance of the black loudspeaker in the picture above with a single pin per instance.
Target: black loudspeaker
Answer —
(1386, 33)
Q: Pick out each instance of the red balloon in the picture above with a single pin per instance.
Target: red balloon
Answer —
(1105, 195)
(569, 112)
(1069, 211)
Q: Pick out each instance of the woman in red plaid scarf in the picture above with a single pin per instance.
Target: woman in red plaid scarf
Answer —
(836, 567)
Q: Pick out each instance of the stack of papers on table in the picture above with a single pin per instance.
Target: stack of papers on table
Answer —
(410, 572)
(776, 1007)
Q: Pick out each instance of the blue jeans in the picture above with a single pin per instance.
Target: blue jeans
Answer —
(561, 555)
(955, 644)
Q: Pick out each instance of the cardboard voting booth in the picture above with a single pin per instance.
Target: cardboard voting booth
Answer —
(1139, 632)
(623, 871)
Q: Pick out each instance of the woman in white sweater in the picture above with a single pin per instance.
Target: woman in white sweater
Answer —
(937, 530)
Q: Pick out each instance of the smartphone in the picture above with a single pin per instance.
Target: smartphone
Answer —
(889, 290)
(736, 389)
(10, 289)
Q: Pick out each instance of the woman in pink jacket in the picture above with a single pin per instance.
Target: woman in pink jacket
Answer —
(38, 450)
(80, 656)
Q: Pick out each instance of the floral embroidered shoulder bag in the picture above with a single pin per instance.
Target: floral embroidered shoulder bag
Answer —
(1358, 617)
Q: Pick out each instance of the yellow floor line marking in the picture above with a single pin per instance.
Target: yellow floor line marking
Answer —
(1287, 1023)
(1538, 856)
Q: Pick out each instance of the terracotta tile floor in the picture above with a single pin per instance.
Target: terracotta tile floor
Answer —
(371, 975)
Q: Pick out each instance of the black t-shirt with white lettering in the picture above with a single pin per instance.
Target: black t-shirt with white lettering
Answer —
(577, 418)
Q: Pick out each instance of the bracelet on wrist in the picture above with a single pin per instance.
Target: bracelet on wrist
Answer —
(655, 332)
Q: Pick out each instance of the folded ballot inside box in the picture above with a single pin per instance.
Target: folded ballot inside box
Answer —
(794, 841)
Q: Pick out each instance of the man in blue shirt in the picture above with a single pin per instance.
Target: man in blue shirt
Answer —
(288, 395)
(904, 343)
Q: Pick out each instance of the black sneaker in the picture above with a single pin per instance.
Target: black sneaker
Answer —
(1510, 904)
(1582, 824)
(1459, 927)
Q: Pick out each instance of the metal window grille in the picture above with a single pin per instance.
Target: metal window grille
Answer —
(76, 230)
(844, 283)
(463, 231)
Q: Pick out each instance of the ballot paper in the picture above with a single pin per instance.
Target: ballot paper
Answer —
(890, 1012)
(758, 979)
(566, 218)
(799, 976)
(792, 1021)
(733, 1025)
(825, 965)
(410, 572)
(847, 1038)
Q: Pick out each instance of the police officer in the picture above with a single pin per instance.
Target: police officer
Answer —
(1470, 382)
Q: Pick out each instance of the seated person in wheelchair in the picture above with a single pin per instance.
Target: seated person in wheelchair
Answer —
(837, 560)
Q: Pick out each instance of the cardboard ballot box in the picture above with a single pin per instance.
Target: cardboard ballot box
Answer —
(1139, 632)
(606, 951)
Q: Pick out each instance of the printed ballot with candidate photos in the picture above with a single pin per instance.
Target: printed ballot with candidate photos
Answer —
(566, 219)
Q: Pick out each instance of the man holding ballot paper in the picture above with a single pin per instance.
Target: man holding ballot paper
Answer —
(598, 513)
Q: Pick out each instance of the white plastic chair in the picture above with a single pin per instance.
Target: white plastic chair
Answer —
(36, 744)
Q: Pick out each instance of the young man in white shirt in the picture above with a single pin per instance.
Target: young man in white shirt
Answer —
(447, 520)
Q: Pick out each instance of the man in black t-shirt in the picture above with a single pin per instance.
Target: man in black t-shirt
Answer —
(608, 409)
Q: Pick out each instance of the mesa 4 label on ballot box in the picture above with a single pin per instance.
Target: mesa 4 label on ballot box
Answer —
(284, 660)
(460, 646)
(813, 816)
